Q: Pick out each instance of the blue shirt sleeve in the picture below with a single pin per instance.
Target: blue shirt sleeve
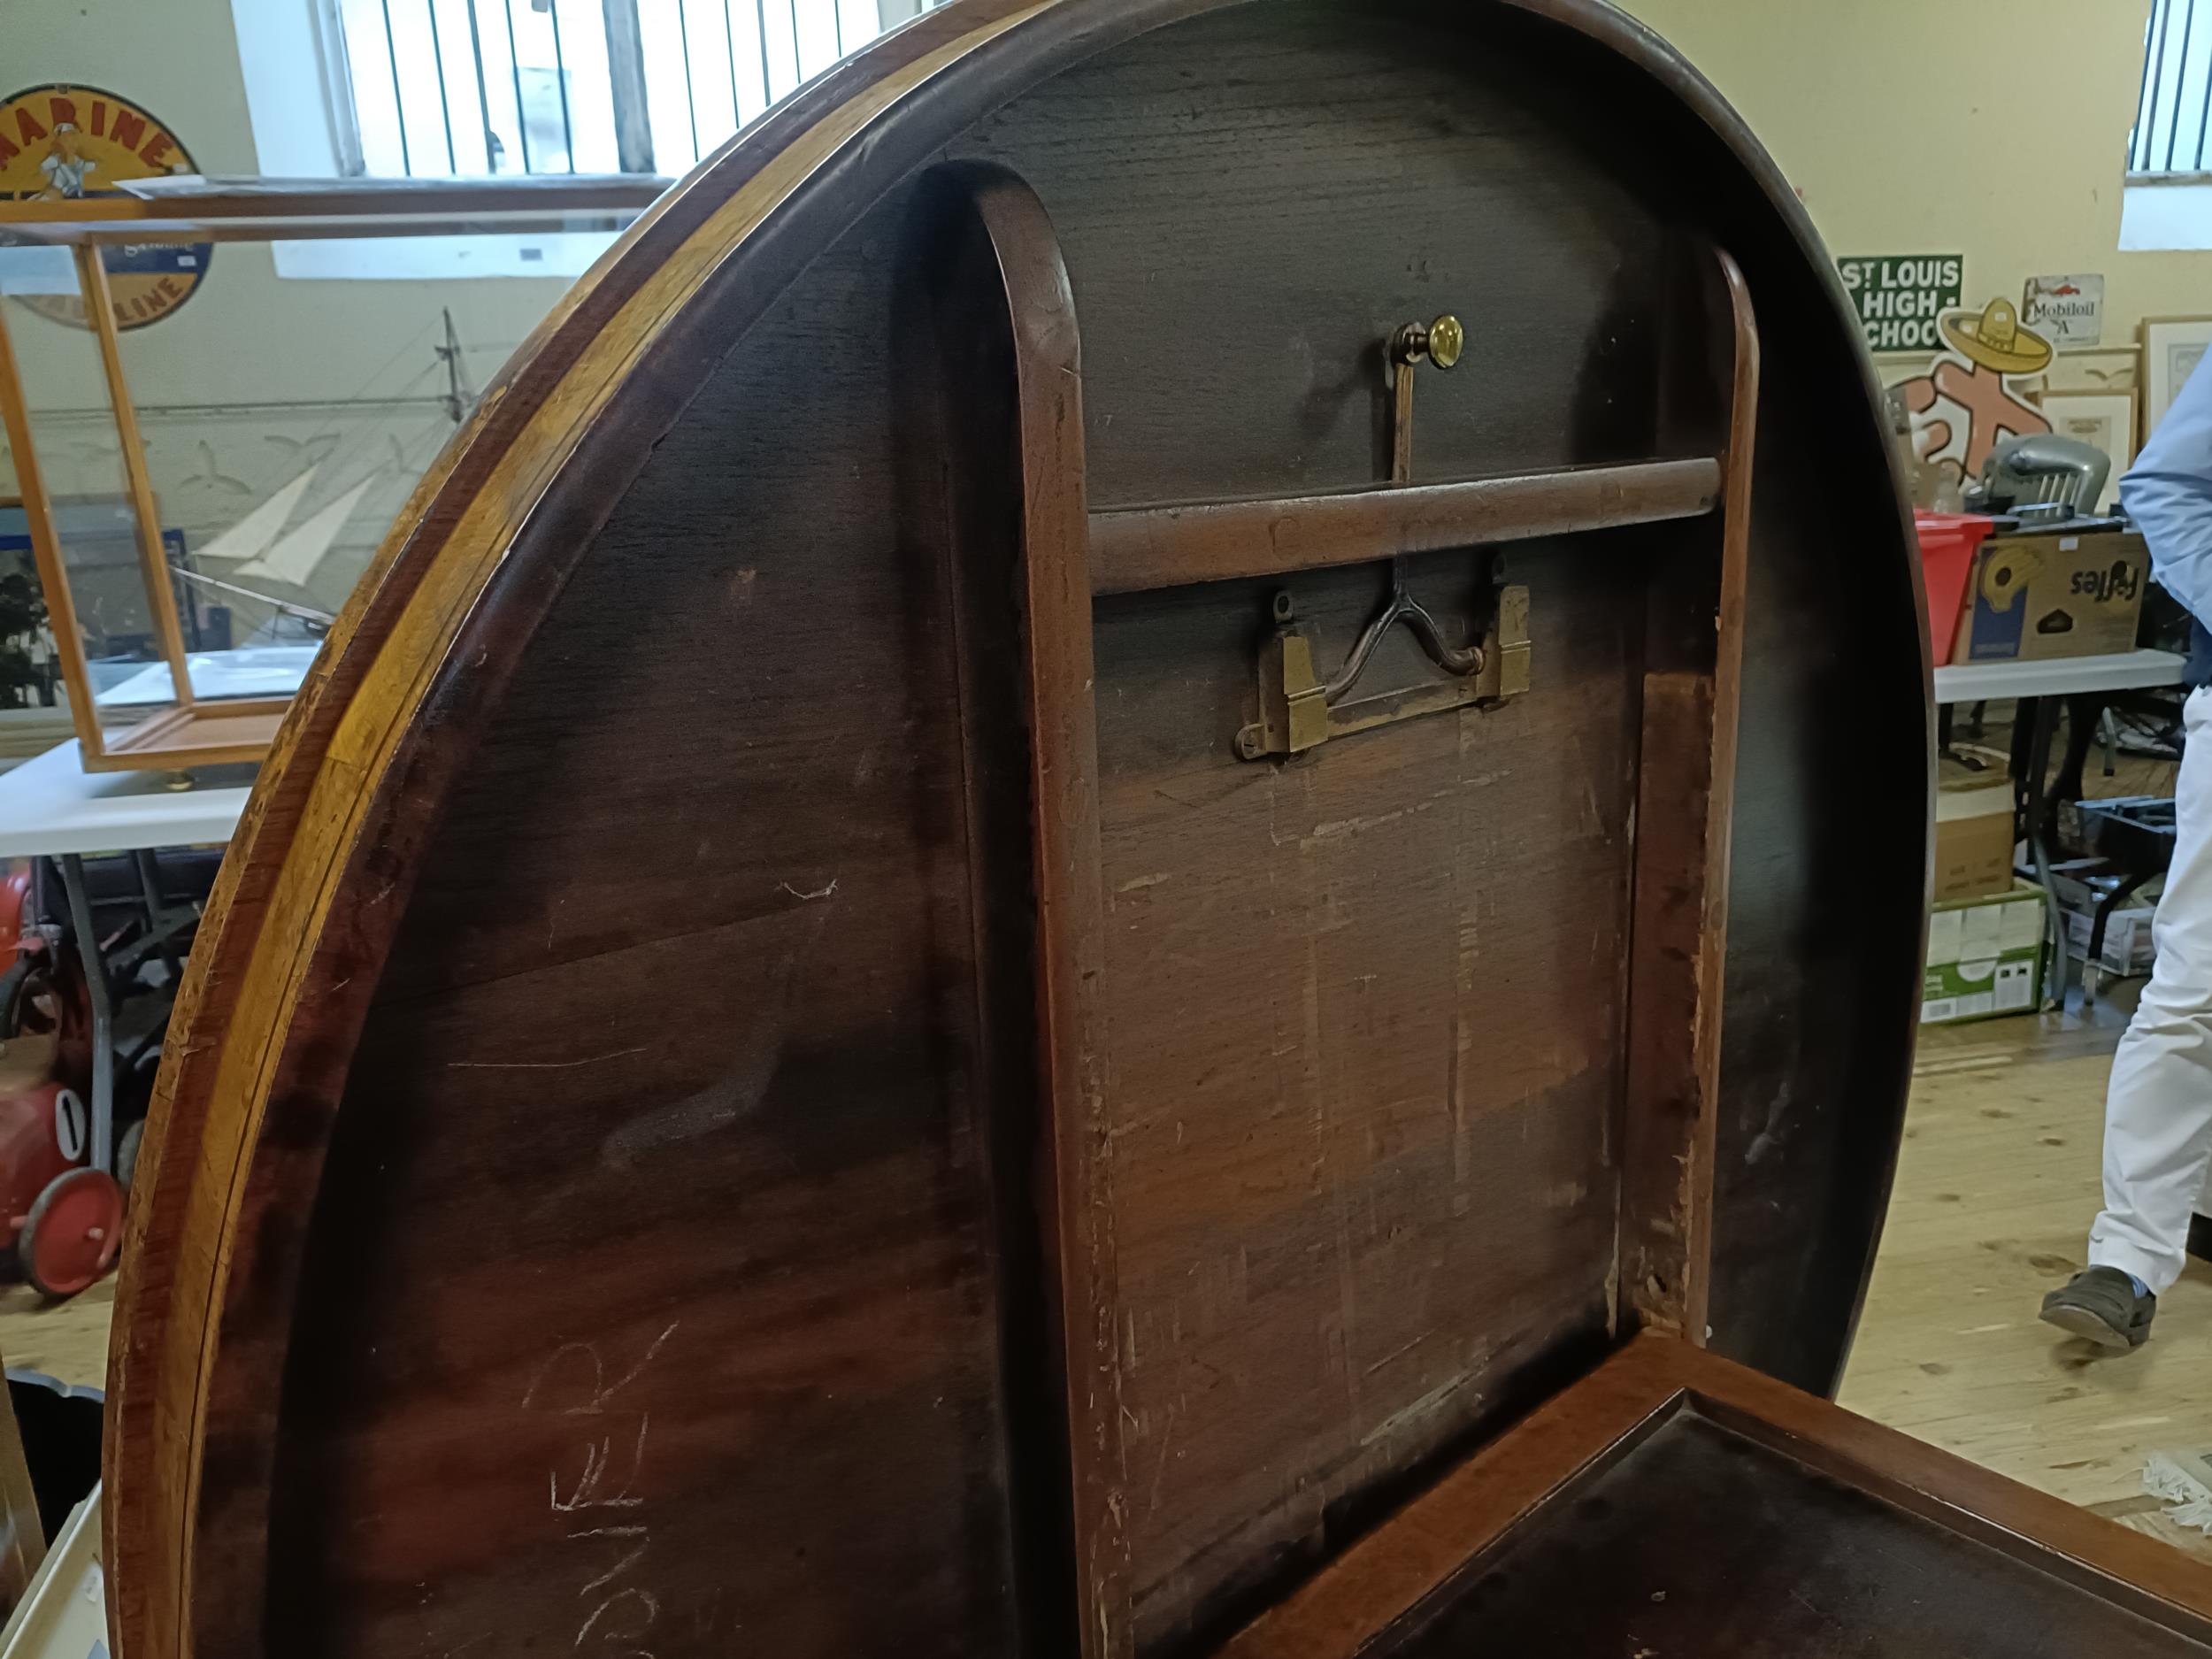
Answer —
(2168, 493)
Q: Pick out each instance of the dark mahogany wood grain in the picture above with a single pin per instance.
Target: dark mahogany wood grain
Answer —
(707, 1117)
(1686, 785)
(1812, 1568)
(1675, 1502)
(1570, 374)
(1031, 302)
(1353, 1121)
(215, 1257)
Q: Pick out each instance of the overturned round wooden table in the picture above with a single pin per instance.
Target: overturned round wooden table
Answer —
(997, 912)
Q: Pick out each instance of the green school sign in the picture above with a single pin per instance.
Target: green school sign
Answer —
(1901, 298)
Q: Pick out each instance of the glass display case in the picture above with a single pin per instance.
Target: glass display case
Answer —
(179, 636)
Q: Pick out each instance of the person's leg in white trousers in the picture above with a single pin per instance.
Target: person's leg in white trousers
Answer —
(2158, 1110)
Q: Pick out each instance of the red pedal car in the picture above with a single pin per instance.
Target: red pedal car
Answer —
(80, 1036)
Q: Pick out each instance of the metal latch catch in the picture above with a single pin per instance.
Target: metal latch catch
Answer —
(1300, 710)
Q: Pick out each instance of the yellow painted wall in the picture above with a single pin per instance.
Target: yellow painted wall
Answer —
(1997, 128)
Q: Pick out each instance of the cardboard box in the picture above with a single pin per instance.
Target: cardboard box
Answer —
(2128, 951)
(2033, 597)
(1985, 957)
(1973, 829)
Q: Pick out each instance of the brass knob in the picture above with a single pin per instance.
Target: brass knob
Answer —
(1440, 341)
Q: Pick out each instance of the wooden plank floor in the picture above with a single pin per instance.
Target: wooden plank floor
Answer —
(66, 1340)
(1996, 1186)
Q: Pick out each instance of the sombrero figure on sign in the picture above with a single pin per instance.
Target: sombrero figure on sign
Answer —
(1962, 405)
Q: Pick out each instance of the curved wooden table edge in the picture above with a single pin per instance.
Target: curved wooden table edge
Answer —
(334, 769)
(336, 753)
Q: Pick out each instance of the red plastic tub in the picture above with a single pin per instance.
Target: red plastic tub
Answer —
(1948, 542)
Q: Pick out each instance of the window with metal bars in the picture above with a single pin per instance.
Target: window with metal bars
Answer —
(2173, 113)
(440, 88)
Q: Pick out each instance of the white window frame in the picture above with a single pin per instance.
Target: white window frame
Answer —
(300, 101)
(2166, 201)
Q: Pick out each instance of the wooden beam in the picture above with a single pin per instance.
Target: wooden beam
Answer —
(161, 588)
(1394, 1576)
(22, 1536)
(1070, 897)
(267, 209)
(1685, 791)
(221, 734)
(53, 576)
(1171, 547)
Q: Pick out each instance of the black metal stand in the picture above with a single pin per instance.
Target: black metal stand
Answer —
(2034, 725)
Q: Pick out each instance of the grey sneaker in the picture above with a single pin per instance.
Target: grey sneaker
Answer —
(2101, 1305)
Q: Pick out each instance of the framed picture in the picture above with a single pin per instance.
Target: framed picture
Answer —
(2103, 420)
(2171, 348)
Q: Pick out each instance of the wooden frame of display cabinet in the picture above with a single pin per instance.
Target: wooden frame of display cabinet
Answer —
(192, 731)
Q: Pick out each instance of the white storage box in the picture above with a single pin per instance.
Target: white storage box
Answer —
(64, 1613)
(1985, 957)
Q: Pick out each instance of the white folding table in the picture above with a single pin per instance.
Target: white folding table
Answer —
(51, 807)
(1990, 682)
